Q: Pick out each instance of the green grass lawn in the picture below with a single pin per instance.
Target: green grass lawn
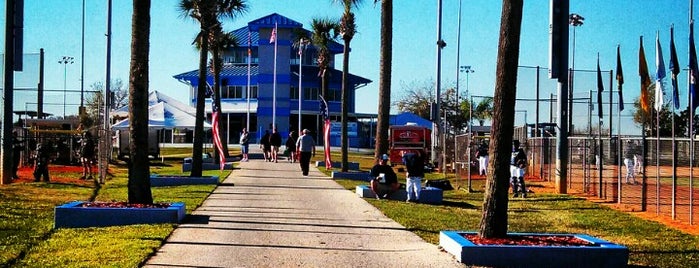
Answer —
(27, 238)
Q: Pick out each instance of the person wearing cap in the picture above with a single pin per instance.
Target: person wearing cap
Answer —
(384, 180)
(518, 163)
(305, 146)
(414, 162)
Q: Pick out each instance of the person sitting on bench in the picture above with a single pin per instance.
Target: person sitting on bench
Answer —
(384, 180)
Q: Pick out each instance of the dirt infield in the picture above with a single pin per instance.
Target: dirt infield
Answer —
(653, 197)
(652, 200)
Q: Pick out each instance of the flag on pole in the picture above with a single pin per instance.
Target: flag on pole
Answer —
(215, 113)
(249, 44)
(619, 78)
(600, 88)
(645, 78)
(693, 69)
(273, 36)
(674, 69)
(326, 131)
(659, 74)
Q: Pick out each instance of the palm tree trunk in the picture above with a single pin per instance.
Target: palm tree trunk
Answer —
(384, 78)
(139, 172)
(198, 144)
(345, 100)
(494, 217)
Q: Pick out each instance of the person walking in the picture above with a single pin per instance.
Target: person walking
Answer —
(244, 144)
(291, 147)
(266, 146)
(629, 162)
(414, 162)
(43, 155)
(87, 154)
(275, 140)
(518, 163)
(306, 146)
(482, 155)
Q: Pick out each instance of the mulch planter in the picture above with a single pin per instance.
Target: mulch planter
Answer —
(173, 180)
(81, 214)
(534, 250)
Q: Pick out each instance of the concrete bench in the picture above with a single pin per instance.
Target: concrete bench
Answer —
(428, 195)
(350, 165)
(187, 165)
(357, 176)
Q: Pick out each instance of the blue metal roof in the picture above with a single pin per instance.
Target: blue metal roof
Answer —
(233, 71)
(242, 36)
(270, 20)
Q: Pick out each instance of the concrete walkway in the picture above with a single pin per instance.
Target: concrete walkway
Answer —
(275, 217)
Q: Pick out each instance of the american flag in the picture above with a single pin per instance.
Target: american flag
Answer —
(326, 131)
(273, 37)
(215, 113)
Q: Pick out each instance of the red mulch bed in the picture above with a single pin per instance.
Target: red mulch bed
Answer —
(122, 205)
(58, 174)
(530, 240)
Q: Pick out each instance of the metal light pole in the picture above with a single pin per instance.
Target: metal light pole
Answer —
(574, 20)
(467, 69)
(436, 121)
(302, 46)
(65, 60)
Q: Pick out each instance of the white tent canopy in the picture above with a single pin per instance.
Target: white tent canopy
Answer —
(163, 115)
(155, 97)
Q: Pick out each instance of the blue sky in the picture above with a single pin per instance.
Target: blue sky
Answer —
(56, 25)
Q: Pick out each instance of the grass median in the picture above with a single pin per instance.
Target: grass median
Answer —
(27, 237)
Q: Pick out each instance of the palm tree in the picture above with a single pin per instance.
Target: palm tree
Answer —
(139, 171)
(483, 111)
(206, 12)
(324, 31)
(347, 30)
(382, 121)
(494, 217)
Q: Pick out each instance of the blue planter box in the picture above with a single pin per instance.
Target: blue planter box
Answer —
(601, 254)
(71, 215)
(357, 176)
(168, 180)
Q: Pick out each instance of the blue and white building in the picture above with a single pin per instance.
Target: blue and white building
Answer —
(234, 81)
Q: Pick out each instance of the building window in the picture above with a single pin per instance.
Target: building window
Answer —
(239, 56)
(253, 92)
(310, 93)
(294, 93)
(233, 92)
(335, 95)
(238, 92)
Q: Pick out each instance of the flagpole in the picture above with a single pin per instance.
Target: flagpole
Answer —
(659, 74)
(247, 95)
(691, 115)
(274, 83)
(674, 71)
(600, 112)
(620, 82)
(300, 91)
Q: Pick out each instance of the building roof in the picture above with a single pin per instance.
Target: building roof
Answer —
(239, 73)
(270, 20)
(241, 35)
